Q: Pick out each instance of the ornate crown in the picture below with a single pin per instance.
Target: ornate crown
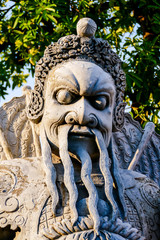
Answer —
(83, 46)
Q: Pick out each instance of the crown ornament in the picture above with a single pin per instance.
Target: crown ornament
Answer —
(86, 27)
(83, 46)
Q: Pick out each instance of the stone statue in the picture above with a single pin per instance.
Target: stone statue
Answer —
(73, 164)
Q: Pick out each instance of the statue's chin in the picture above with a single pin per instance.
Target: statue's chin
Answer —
(78, 142)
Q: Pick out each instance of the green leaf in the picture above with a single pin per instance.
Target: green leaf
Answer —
(52, 18)
(138, 96)
(136, 77)
(19, 32)
(137, 80)
(50, 9)
(75, 18)
(16, 22)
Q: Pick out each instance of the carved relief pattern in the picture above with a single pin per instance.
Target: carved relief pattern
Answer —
(46, 217)
(16, 219)
(149, 162)
(7, 181)
(60, 227)
(11, 213)
(126, 143)
(146, 203)
(22, 194)
(132, 214)
(150, 193)
(16, 129)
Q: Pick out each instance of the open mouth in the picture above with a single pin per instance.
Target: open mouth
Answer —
(81, 137)
(81, 131)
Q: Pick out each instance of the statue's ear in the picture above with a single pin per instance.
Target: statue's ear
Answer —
(17, 135)
(118, 116)
(35, 107)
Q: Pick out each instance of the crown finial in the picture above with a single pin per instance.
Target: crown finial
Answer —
(86, 27)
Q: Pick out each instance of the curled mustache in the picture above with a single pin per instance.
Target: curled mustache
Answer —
(68, 169)
(49, 170)
(92, 191)
(104, 167)
(86, 170)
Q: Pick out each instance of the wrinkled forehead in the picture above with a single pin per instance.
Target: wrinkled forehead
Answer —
(82, 75)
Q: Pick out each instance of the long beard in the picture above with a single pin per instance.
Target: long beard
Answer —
(111, 176)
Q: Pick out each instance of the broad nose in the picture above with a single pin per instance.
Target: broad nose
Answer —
(82, 114)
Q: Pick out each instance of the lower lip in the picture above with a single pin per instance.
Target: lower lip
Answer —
(81, 136)
(81, 140)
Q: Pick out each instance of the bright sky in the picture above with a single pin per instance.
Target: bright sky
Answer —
(17, 92)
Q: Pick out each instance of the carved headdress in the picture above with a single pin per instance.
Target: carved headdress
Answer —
(83, 46)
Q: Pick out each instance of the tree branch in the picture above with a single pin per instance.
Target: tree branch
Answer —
(7, 10)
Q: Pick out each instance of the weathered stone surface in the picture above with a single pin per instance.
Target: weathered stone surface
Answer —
(73, 165)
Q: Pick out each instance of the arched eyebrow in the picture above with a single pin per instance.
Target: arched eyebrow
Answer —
(109, 89)
(106, 86)
(69, 80)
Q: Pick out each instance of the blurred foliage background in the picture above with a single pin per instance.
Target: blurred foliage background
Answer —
(132, 27)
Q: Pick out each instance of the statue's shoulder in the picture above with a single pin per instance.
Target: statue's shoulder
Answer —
(142, 197)
(135, 180)
(138, 149)
(142, 187)
(23, 166)
(22, 193)
(20, 176)
(18, 138)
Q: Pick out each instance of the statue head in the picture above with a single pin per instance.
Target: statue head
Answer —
(80, 94)
(78, 100)
(83, 47)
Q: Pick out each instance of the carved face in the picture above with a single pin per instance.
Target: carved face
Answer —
(77, 119)
(81, 94)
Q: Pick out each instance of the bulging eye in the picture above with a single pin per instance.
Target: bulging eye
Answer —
(63, 96)
(100, 102)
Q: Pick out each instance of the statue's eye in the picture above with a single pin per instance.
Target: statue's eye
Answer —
(63, 96)
(100, 102)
